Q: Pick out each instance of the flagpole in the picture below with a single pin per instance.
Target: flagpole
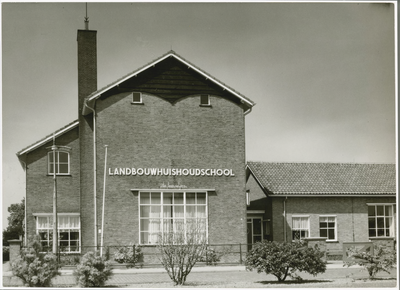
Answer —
(104, 199)
(55, 221)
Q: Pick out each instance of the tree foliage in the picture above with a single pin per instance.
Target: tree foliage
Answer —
(382, 259)
(180, 249)
(34, 268)
(93, 270)
(15, 228)
(284, 259)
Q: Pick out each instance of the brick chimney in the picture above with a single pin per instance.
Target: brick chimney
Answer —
(87, 65)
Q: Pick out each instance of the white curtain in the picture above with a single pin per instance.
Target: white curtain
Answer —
(300, 223)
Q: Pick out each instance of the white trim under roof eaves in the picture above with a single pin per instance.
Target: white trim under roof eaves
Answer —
(159, 60)
(47, 139)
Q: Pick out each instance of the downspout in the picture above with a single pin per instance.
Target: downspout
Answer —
(25, 221)
(284, 219)
(94, 173)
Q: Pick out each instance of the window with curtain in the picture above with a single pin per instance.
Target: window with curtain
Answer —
(164, 213)
(68, 232)
(300, 227)
(327, 227)
(380, 220)
(61, 161)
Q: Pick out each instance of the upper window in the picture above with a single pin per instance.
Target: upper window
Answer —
(137, 98)
(68, 232)
(179, 213)
(205, 100)
(300, 227)
(61, 162)
(327, 227)
(380, 220)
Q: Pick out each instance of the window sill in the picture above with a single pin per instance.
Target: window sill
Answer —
(137, 103)
(205, 106)
(58, 175)
(332, 241)
(381, 238)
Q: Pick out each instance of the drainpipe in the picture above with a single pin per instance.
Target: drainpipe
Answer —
(284, 219)
(94, 173)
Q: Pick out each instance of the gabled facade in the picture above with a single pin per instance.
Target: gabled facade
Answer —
(339, 202)
(175, 154)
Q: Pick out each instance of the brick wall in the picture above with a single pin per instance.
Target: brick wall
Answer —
(40, 185)
(158, 134)
(351, 213)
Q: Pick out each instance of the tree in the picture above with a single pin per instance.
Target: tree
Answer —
(15, 228)
(382, 259)
(284, 259)
(181, 247)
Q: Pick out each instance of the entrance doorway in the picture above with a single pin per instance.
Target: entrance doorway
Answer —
(254, 231)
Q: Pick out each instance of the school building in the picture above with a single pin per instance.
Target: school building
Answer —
(164, 146)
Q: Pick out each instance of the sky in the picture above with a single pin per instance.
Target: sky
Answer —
(322, 75)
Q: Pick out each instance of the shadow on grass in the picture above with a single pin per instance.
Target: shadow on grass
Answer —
(291, 282)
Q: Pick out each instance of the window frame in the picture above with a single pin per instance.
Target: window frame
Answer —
(308, 226)
(137, 102)
(327, 227)
(208, 104)
(50, 165)
(162, 218)
(49, 230)
(391, 227)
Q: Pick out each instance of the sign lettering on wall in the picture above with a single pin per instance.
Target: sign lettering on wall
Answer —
(170, 172)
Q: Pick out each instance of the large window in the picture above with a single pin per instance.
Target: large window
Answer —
(162, 213)
(300, 227)
(380, 220)
(68, 232)
(61, 162)
(327, 227)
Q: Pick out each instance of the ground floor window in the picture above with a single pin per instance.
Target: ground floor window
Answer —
(178, 213)
(300, 227)
(68, 232)
(380, 220)
(327, 227)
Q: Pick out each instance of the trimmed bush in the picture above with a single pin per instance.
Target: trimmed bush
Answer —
(129, 255)
(284, 259)
(34, 268)
(92, 271)
(383, 259)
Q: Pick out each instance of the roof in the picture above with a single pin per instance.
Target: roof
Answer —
(48, 138)
(95, 95)
(314, 179)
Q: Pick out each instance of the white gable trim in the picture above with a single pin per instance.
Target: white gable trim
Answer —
(49, 138)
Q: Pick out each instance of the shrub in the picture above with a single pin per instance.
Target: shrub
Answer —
(34, 268)
(382, 259)
(92, 271)
(180, 250)
(129, 255)
(211, 256)
(284, 259)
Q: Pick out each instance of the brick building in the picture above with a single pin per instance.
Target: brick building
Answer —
(174, 139)
(175, 153)
(340, 202)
